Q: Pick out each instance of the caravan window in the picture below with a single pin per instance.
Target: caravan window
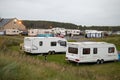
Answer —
(53, 43)
(62, 43)
(40, 43)
(111, 50)
(94, 50)
(86, 50)
(73, 50)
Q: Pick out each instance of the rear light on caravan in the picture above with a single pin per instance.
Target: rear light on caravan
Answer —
(77, 60)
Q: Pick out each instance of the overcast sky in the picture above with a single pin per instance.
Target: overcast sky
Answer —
(80, 12)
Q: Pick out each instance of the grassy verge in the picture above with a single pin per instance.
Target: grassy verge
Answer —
(14, 65)
(17, 66)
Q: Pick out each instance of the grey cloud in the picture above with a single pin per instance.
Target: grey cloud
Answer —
(83, 12)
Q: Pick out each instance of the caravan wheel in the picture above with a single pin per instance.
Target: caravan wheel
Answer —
(53, 52)
(102, 61)
(98, 61)
(49, 52)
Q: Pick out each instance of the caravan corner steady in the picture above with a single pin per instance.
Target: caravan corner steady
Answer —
(82, 52)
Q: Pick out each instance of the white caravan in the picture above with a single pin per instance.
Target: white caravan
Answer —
(82, 52)
(73, 32)
(61, 31)
(49, 45)
(12, 32)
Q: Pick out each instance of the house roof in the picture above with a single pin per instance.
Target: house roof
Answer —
(4, 21)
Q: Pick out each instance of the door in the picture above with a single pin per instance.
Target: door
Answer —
(86, 55)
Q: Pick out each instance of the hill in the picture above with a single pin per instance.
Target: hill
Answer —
(52, 24)
(48, 24)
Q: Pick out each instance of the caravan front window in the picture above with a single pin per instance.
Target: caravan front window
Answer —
(62, 43)
(111, 50)
(86, 50)
(73, 50)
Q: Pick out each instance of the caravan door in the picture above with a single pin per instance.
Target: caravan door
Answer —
(86, 55)
(27, 45)
(34, 46)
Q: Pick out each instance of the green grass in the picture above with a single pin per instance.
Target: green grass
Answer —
(15, 65)
(56, 58)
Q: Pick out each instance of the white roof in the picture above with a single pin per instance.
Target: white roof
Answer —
(44, 38)
(88, 43)
(93, 31)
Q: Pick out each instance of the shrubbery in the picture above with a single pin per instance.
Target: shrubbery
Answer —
(5, 43)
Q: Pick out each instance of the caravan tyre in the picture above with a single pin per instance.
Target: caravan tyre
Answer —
(49, 53)
(53, 52)
(98, 61)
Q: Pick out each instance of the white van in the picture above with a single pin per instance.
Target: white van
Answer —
(49, 45)
(82, 52)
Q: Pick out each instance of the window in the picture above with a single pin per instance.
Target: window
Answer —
(40, 43)
(53, 43)
(62, 43)
(86, 50)
(94, 50)
(73, 50)
(14, 31)
(14, 22)
(111, 50)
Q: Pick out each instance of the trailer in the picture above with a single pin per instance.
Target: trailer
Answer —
(73, 32)
(84, 52)
(43, 45)
(12, 31)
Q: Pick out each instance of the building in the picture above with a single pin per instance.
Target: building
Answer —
(11, 23)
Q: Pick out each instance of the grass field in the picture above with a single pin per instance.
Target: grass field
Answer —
(16, 65)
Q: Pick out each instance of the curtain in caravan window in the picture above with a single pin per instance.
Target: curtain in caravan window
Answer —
(62, 43)
(73, 50)
(86, 50)
(40, 43)
(111, 50)
(94, 50)
(53, 43)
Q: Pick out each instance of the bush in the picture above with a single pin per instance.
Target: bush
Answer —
(5, 43)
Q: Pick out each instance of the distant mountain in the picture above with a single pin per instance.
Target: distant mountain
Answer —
(51, 24)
